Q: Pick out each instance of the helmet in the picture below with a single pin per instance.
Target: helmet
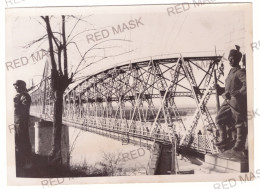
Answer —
(20, 83)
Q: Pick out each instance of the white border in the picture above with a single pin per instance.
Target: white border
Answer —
(37, 3)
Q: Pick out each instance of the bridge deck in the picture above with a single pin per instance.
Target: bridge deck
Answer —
(111, 128)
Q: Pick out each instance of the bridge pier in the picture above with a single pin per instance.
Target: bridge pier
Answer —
(162, 160)
(43, 131)
(216, 164)
(43, 140)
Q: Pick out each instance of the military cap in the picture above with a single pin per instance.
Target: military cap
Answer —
(20, 83)
(235, 53)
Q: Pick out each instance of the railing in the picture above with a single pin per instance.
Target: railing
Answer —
(140, 129)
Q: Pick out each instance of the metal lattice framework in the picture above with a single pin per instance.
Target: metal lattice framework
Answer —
(138, 100)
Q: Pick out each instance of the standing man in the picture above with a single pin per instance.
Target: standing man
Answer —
(233, 112)
(22, 102)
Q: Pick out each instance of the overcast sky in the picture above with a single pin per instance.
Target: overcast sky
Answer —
(194, 32)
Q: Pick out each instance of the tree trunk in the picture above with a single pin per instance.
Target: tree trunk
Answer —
(59, 82)
(55, 155)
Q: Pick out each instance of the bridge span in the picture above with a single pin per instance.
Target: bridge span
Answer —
(137, 102)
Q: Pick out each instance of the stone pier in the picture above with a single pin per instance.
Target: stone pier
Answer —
(216, 164)
(162, 160)
(44, 137)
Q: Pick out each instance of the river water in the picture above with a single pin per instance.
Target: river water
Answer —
(91, 148)
(82, 148)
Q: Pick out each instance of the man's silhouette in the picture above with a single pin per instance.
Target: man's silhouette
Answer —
(233, 112)
(22, 102)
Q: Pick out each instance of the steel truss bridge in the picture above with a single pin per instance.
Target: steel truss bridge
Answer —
(136, 102)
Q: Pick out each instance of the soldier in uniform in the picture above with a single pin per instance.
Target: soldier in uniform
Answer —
(22, 102)
(233, 112)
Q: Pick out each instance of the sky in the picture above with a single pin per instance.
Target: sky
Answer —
(195, 32)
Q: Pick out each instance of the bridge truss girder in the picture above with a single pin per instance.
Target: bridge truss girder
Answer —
(139, 99)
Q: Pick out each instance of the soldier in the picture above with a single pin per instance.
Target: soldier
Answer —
(22, 102)
(234, 109)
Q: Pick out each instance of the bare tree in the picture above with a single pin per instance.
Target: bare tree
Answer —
(60, 79)
(111, 163)
(59, 82)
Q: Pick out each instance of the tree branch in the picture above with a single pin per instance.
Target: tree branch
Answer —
(59, 60)
(91, 48)
(73, 28)
(48, 27)
(84, 32)
(103, 59)
(64, 47)
(35, 41)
